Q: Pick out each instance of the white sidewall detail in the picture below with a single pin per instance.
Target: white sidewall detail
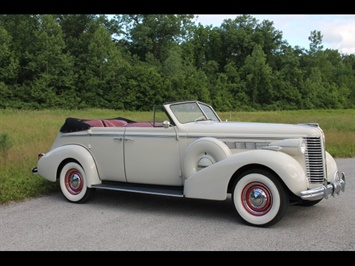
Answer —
(258, 220)
(213, 148)
(66, 193)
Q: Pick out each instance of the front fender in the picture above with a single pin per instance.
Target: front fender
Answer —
(49, 163)
(212, 182)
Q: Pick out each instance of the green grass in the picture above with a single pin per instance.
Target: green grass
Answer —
(26, 133)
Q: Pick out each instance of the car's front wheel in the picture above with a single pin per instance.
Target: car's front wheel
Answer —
(259, 198)
(73, 183)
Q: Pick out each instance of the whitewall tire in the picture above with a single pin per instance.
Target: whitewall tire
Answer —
(259, 198)
(73, 183)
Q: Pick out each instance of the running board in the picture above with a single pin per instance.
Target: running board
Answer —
(145, 189)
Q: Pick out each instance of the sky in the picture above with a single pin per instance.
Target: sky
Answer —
(338, 30)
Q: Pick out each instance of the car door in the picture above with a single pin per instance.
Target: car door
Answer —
(152, 156)
(106, 146)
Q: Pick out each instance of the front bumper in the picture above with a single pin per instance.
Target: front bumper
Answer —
(325, 190)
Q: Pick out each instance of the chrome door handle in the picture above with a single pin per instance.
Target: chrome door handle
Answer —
(121, 138)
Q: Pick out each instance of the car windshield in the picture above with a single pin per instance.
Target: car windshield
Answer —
(193, 111)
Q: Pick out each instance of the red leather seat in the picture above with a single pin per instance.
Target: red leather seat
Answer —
(114, 123)
(94, 123)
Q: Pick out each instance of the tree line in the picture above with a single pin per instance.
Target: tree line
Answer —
(133, 62)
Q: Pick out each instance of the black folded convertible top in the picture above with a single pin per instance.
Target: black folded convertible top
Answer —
(73, 124)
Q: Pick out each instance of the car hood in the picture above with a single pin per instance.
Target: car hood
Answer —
(253, 130)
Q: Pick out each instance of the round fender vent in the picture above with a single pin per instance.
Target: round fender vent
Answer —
(204, 162)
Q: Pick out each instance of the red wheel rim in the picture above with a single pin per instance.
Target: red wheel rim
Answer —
(74, 181)
(256, 198)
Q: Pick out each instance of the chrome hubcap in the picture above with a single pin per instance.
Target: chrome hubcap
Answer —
(257, 198)
(73, 181)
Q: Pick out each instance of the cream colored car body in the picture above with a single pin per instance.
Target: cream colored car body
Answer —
(200, 157)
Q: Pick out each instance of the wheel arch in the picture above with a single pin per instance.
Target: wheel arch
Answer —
(60, 156)
(64, 162)
(247, 167)
(290, 172)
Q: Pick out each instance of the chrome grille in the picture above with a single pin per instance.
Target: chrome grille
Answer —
(314, 160)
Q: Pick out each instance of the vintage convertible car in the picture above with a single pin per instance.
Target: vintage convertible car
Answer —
(188, 151)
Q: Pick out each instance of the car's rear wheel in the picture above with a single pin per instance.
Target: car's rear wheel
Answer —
(259, 198)
(73, 183)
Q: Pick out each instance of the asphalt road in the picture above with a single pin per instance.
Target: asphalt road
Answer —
(123, 221)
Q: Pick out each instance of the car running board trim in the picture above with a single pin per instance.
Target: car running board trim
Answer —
(145, 189)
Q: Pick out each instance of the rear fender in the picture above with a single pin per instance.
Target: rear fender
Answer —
(212, 182)
(48, 165)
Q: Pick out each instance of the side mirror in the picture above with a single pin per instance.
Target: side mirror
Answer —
(166, 124)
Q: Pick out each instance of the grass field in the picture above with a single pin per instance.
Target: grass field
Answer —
(31, 132)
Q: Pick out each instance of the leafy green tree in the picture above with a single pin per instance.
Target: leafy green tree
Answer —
(257, 75)
(316, 39)
(155, 34)
(287, 80)
(222, 97)
(22, 29)
(55, 78)
(135, 61)
(9, 68)
(38, 51)
(185, 81)
(348, 80)
(241, 35)
(239, 99)
(205, 46)
(99, 70)
(333, 88)
(78, 31)
(144, 87)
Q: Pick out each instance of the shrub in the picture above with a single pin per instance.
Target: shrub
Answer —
(5, 143)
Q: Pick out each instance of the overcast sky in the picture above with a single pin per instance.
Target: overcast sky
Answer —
(338, 30)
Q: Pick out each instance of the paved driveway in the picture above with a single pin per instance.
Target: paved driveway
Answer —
(122, 221)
